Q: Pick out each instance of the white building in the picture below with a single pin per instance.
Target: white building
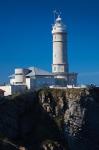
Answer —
(60, 67)
(28, 79)
(34, 78)
(60, 61)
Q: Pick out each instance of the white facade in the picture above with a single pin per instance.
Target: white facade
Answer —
(32, 78)
(60, 68)
(28, 78)
(60, 60)
(18, 77)
(38, 78)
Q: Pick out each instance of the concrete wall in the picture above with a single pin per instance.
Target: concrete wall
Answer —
(12, 89)
(18, 88)
(39, 82)
(30, 83)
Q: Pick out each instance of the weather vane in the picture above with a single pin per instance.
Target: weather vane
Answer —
(55, 12)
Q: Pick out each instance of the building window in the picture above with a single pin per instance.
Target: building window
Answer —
(18, 82)
(54, 68)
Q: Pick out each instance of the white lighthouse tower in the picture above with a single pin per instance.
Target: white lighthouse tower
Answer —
(60, 60)
(60, 68)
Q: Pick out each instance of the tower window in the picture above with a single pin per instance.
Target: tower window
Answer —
(55, 55)
(54, 68)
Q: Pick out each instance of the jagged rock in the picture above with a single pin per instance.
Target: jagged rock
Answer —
(80, 110)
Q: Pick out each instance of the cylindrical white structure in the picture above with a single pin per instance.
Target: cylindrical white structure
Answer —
(19, 76)
(60, 60)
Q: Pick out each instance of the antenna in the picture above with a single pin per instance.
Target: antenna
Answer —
(59, 13)
(56, 13)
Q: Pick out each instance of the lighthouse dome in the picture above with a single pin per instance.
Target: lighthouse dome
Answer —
(58, 26)
(59, 19)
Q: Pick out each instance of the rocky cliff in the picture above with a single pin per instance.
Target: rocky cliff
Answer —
(51, 119)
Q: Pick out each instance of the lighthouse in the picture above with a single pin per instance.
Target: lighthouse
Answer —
(60, 59)
(60, 67)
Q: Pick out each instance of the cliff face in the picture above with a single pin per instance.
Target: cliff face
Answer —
(51, 119)
(76, 112)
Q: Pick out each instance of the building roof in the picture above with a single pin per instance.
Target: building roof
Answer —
(34, 71)
(38, 72)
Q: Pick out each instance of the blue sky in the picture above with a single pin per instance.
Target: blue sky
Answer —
(26, 40)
